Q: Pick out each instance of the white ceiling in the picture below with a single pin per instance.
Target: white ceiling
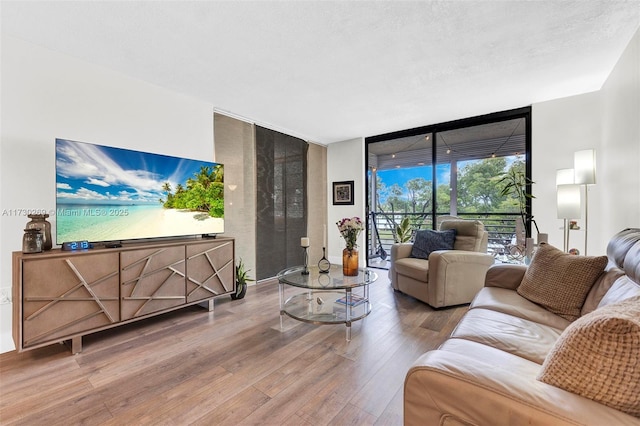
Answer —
(330, 71)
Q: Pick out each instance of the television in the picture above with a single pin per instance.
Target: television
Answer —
(106, 194)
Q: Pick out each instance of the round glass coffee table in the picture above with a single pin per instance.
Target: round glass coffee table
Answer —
(328, 298)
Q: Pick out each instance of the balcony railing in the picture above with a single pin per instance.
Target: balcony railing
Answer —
(501, 228)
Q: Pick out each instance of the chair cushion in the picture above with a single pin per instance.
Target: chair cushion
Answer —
(559, 281)
(597, 357)
(418, 269)
(468, 233)
(428, 240)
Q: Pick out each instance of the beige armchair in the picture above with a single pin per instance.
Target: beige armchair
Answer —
(447, 277)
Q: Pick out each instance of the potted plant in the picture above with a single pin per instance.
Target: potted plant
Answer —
(403, 232)
(242, 277)
(515, 184)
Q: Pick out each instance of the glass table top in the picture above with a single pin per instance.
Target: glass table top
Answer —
(334, 279)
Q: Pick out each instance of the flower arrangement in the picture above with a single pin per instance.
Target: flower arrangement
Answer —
(350, 228)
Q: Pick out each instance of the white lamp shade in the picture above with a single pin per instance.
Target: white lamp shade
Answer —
(569, 201)
(584, 164)
(564, 177)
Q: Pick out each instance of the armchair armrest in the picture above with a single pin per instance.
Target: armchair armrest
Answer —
(400, 250)
(505, 275)
(455, 276)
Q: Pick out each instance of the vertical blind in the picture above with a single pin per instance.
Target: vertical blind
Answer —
(281, 162)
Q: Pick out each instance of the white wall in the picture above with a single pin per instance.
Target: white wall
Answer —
(607, 121)
(620, 174)
(47, 95)
(345, 161)
(559, 128)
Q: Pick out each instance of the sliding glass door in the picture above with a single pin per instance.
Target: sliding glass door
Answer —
(419, 176)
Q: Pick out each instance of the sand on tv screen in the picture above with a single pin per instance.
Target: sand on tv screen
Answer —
(115, 194)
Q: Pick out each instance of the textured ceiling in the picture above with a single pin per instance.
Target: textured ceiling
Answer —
(329, 71)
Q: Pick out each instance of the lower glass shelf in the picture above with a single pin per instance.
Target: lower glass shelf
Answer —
(325, 307)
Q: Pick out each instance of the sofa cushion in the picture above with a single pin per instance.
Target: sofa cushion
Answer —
(428, 240)
(418, 269)
(520, 337)
(559, 281)
(623, 288)
(597, 357)
(600, 289)
(510, 302)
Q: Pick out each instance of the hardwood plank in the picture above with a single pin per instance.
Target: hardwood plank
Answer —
(237, 408)
(288, 402)
(393, 413)
(174, 404)
(234, 365)
(351, 415)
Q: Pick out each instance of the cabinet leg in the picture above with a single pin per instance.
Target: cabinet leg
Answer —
(76, 345)
(210, 307)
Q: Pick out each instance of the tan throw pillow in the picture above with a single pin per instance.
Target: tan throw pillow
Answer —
(559, 281)
(598, 357)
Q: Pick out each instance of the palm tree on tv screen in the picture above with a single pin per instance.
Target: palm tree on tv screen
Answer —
(204, 192)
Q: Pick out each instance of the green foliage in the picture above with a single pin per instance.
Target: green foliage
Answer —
(418, 194)
(413, 197)
(404, 231)
(204, 192)
(514, 185)
(242, 276)
(443, 197)
(477, 191)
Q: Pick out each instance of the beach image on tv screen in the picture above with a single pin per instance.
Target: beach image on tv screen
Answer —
(114, 194)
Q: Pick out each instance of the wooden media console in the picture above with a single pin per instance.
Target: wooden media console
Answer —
(60, 295)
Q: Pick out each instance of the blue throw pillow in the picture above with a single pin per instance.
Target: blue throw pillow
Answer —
(428, 240)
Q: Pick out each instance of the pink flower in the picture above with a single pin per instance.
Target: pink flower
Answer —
(350, 228)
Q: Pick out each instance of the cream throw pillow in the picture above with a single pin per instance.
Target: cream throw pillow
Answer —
(559, 281)
(598, 357)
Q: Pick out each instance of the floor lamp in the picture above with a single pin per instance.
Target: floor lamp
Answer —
(584, 165)
(568, 200)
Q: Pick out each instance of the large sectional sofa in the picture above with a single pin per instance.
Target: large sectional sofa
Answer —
(497, 367)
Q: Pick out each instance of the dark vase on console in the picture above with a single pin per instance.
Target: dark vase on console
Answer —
(39, 221)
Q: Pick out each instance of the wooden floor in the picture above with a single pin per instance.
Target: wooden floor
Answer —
(232, 366)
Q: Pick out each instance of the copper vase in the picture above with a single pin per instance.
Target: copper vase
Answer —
(350, 262)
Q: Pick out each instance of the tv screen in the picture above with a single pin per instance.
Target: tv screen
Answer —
(114, 194)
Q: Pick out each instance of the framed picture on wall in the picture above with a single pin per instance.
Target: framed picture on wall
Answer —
(343, 193)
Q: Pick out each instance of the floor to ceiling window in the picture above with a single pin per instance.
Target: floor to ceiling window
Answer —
(420, 175)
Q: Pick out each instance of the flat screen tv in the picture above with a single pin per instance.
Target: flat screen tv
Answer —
(106, 194)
